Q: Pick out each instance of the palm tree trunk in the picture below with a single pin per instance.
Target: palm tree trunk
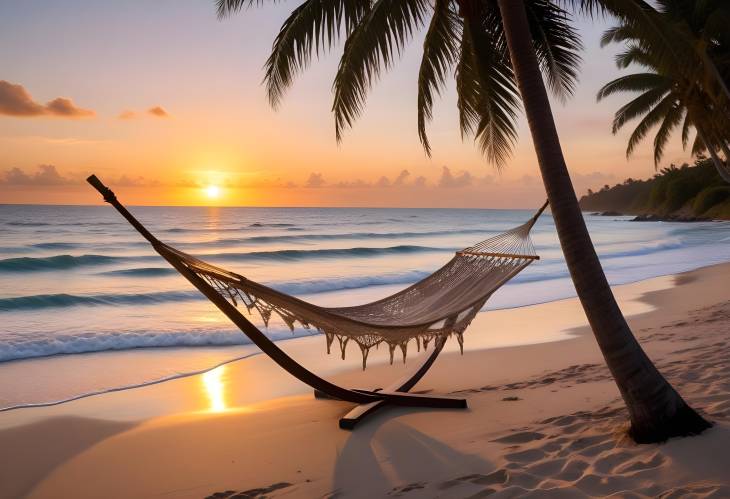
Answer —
(715, 73)
(656, 410)
(722, 168)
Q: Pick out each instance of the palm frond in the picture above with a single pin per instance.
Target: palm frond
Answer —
(312, 27)
(226, 8)
(698, 146)
(440, 52)
(672, 118)
(652, 118)
(556, 45)
(487, 95)
(638, 106)
(634, 54)
(637, 82)
(618, 8)
(371, 47)
(686, 129)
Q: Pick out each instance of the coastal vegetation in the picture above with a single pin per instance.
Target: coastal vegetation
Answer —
(504, 54)
(674, 193)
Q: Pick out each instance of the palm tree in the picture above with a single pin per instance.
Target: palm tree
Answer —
(499, 50)
(687, 36)
(703, 26)
(667, 98)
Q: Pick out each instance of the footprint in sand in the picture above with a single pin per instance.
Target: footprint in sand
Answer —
(696, 491)
(525, 456)
(259, 492)
(611, 461)
(404, 489)
(655, 461)
(572, 470)
(499, 477)
(520, 438)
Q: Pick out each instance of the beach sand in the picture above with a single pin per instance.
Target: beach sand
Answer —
(544, 420)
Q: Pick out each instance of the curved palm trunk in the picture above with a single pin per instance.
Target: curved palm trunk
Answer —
(716, 73)
(656, 410)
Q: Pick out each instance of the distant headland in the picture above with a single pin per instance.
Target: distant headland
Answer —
(684, 193)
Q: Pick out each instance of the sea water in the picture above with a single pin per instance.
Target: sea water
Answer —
(75, 280)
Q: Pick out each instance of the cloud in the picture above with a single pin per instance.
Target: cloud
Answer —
(158, 112)
(16, 101)
(138, 181)
(315, 180)
(449, 180)
(402, 178)
(353, 184)
(47, 175)
(383, 182)
(154, 111)
(62, 106)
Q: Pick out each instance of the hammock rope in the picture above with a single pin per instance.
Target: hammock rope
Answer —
(439, 306)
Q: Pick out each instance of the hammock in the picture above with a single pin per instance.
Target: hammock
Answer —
(438, 306)
(433, 309)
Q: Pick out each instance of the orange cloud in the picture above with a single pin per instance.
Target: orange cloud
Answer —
(127, 115)
(47, 175)
(449, 180)
(16, 101)
(315, 180)
(158, 112)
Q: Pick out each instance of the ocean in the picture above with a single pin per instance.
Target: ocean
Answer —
(79, 279)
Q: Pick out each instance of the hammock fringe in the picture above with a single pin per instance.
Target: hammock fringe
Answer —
(435, 308)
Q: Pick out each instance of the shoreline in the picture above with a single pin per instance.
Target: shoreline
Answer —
(543, 418)
(232, 353)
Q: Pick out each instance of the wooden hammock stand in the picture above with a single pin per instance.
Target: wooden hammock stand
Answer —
(368, 401)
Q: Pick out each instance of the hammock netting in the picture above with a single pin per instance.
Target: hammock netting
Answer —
(439, 306)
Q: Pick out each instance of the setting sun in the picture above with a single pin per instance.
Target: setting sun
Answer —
(212, 191)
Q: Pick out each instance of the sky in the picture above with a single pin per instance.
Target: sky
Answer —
(164, 102)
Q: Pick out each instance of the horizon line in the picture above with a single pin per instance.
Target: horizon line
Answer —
(269, 207)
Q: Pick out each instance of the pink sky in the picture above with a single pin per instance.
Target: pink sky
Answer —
(161, 100)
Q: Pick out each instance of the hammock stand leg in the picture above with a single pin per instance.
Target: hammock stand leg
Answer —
(356, 415)
(397, 396)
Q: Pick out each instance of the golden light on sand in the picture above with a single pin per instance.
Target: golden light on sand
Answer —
(213, 191)
(215, 389)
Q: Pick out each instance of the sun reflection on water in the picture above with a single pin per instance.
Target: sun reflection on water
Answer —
(215, 389)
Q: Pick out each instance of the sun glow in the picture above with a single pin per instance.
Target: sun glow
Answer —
(213, 191)
(215, 389)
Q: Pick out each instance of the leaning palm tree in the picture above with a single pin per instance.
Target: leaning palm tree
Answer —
(499, 51)
(667, 99)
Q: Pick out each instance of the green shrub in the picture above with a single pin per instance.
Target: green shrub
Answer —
(658, 194)
(709, 198)
(678, 192)
(721, 210)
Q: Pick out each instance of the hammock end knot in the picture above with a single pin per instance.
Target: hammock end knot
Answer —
(106, 192)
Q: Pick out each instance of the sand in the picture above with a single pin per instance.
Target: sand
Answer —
(544, 420)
